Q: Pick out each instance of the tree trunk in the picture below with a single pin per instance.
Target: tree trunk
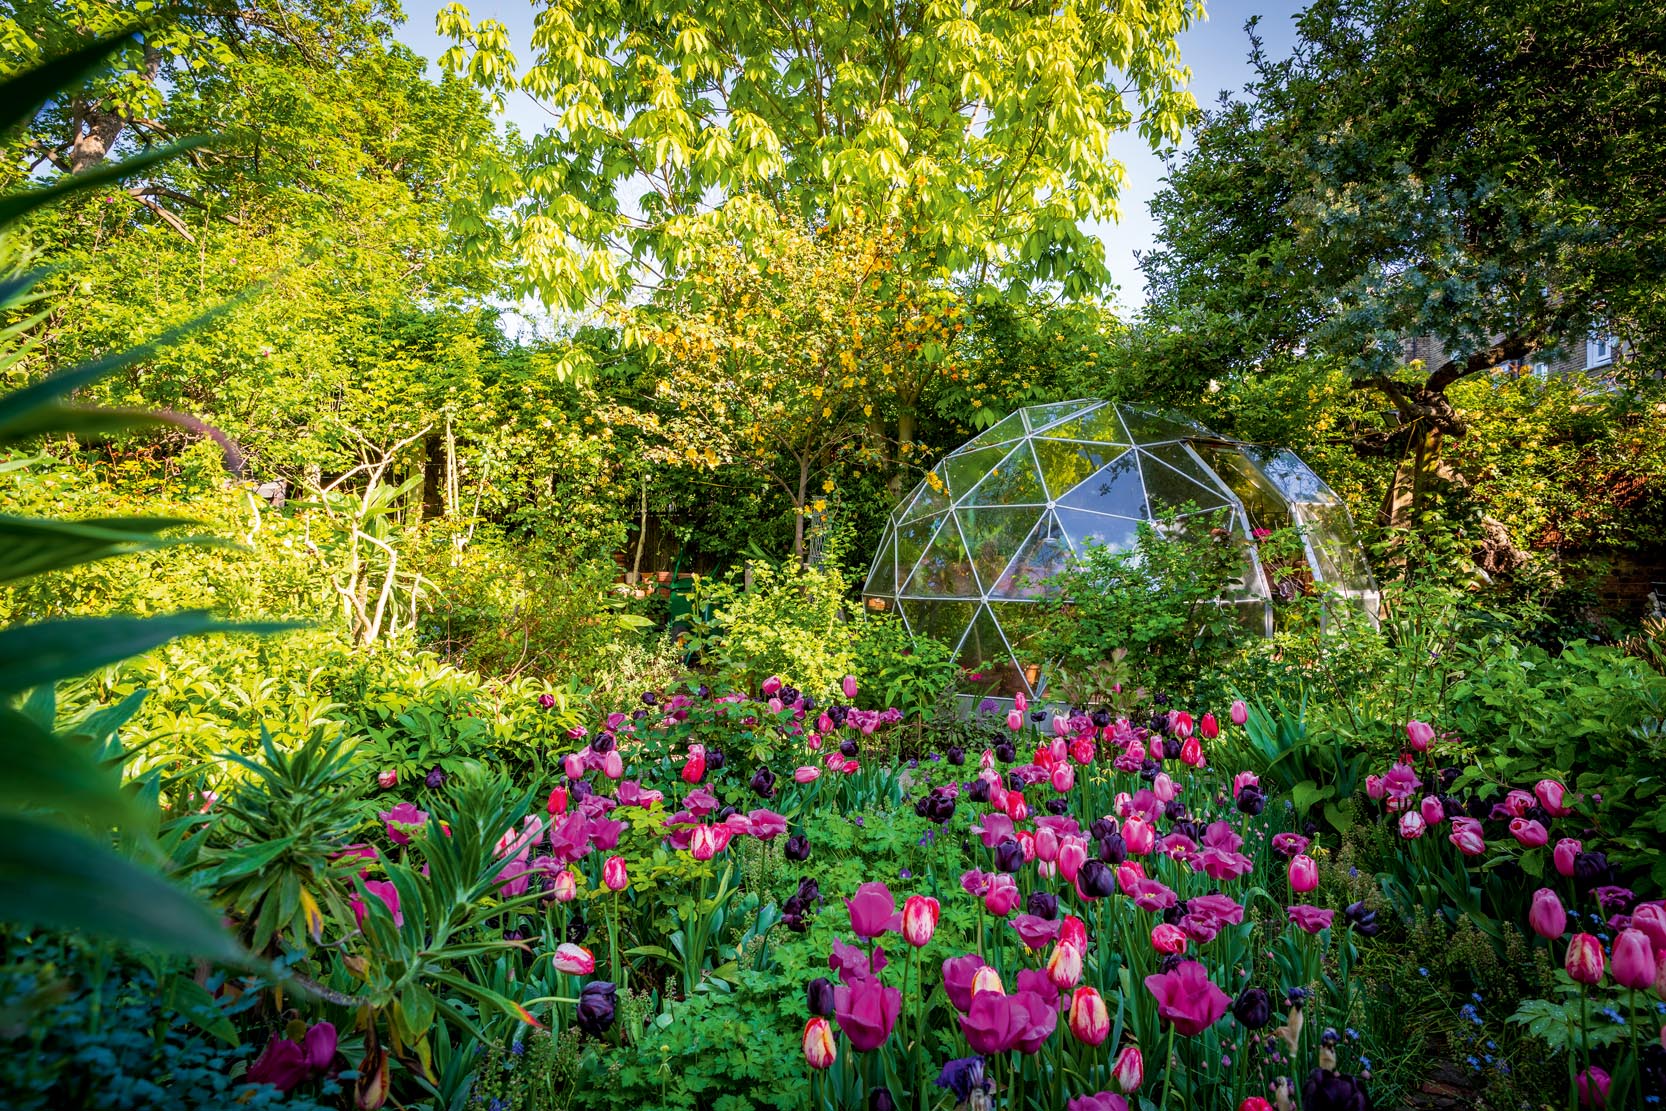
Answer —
(1414, 479)
(799, 506)
(906, 427)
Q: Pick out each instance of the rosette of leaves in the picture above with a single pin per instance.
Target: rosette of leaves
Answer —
(76, 846)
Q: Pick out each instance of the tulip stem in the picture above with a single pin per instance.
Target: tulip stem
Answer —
(1168, 1069)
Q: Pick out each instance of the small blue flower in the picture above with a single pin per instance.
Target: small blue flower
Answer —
(905, 874)
(1422, 971)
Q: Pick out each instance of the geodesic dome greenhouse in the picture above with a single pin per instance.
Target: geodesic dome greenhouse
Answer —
(967, 553)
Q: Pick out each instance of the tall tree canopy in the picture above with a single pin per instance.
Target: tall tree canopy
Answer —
(980, 131)
(1485, 174)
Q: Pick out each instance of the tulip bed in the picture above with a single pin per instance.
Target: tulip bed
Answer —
(1093, 912)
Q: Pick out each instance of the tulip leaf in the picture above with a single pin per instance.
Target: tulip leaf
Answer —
(196, 1003)
(22, 95)
(51, 772)
(53, 877)
(30, 546)
(51, 650)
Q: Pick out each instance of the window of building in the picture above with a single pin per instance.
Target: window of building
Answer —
(1599, 351)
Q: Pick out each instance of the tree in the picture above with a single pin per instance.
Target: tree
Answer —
(1486, 175)
(981, 132)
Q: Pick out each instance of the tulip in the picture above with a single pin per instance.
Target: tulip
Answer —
(848, 685)
(1253, 1008)
(558, 801)
(919, 920)
(1411, 825)
(818, 996)
(402, 820)
(1433, 812)
(694, 768)
(1419, 734)
(387, 778)
(1002, 897)
(866, 1010)
(1209, 727)
(1255, 1103)
(1064, 777)
(1651, 919)
(1166, 938)
(1074, 931)
(1546, 915)
(1633, 960)
(1567, 851)
(1585, 960)
(986, 979)
(1090, 1019)
(1015, 720)
(1129, 1070)
(819, 1049)
(1020, 703)
(613, 765)
(1552, 796)
(1467, 836)
(1064, 966)
(1139, 835)
(1244, 779)
(598, 1002)
(565, 887)
(614, 874)
(873, 910)
(1304, 873)
(1191, 753)
(1239, 712)
(1162, 785)
(1186, 999)
(772, 686)
(573, 959)
(1529, 832)
(1072, 854)
(1096, 880)
(806, 774)
(1593, 1087)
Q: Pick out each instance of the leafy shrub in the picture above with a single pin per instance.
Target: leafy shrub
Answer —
(789, 622)
(896, 669)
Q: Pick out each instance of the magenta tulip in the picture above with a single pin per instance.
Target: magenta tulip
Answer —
(1419, 734)
(1240, 712)
(1304, 873)
(1593, 1087)
(1187, 999)
(1547, 916)
(848, 685)
(873, 910)
(866, 1010)
(1633, 960)
(1567, 850)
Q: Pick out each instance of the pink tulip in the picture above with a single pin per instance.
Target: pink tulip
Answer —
(1064, 966)
(806, 774)
(1020, 703)
(1064, 777)
(1166, 938)
(1419, 734)
(1567, 850)
(1376, 787)
(1015, 720)
(575, 960)
(1432, 810)
(614, 874)
(557, 802)
(1191, 753)
(820, 1050)
(1529, 832)
(1546, 915)
(1633, 960)
(1552, 796)
(1180, 723)
(1304, 873)
(1129, 1069)
(1240, 712)
(772, 686)
(1139, 836)
(1244, 779)
(1162, 785)
(1411, 825)
(573, 765)
(1651, 919)
(386, 778)
(919, 920)
(1002, 897)
(1075, 932)
(1467, 836)
(613, 765)
(565, 887)
(848, 685)
(1585, 959)
(1209, 727)
(1090, 1019)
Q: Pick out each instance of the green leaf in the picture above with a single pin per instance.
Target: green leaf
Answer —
(18, 205)
(51, 650)
(48, 772)
(196, 1003)
(22, 95)
(55, 878)
(31, 547)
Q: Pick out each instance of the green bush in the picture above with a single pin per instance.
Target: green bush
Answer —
(789, 621)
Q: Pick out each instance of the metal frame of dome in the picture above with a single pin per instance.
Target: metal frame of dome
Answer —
(965, 553)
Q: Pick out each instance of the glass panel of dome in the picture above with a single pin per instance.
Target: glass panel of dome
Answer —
(1021, 625)
(946, 620)
(1066, 463)
(1169, 491)
(1098, 425)
(1294, 479)
(984, 652)
(1265, 504)
(912, 540)
(1183, 459)
(928, 498)
(992, 533)
(1013, 481)
(882, 576)
(1042, 416)
(1009, 427)
(1152, 428)
(1340, 561)
(1044, 554)
(1255, 618)
(945, 571)
(962, 472)
(1087, 530)
(1114, 488)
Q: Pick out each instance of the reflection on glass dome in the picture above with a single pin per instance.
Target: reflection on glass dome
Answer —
(967, 553)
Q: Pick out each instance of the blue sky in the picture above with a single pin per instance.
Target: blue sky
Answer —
(1216, 50)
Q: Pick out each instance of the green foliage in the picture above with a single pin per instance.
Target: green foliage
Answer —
(1156, 601)
(788, 622)
(894, 668)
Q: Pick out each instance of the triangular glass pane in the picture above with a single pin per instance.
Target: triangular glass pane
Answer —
(1150, 428)
(984, 656)
(1294, 478)
(993, 533)
(962, 472)
(1009, 427)
(912, 539)
(882, 576)
(930, 497)
(1262, 500)
(1098, 425)
(1041, 416)
(945, 620)
(1114, 488)
(1013, 481)
(1090, 530)
(1021, 625)
(1066, 464)
(1045, 553)
(1169, 491)
(1183, 459)
(945, 571)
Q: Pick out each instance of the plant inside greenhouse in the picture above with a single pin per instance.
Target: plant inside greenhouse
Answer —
(573, 557)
